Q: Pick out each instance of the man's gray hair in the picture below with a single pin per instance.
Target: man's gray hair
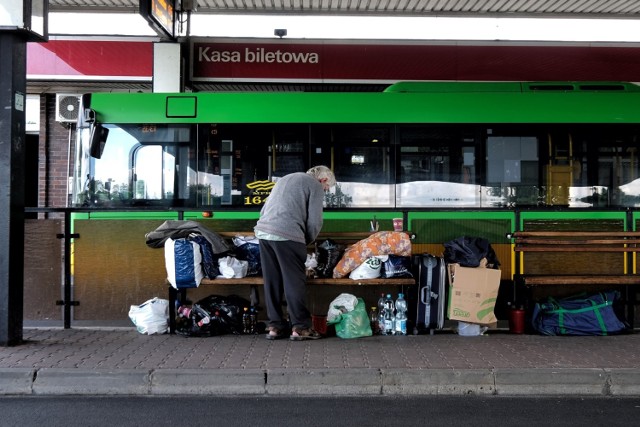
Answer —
(320, 172)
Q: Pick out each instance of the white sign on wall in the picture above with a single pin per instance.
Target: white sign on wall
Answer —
(32, 114)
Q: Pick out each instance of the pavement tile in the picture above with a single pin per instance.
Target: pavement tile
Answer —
(56, 360)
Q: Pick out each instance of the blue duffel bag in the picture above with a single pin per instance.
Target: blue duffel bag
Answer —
(582, 314)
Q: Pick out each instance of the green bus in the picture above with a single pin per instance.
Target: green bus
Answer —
(417, 145)
(450, 158)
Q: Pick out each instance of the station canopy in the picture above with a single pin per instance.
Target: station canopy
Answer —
(570, 9)
(471, 8)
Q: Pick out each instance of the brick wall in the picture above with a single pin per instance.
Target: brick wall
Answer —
(53, 167)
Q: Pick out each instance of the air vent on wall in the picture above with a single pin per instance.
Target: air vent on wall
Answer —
(67, 108)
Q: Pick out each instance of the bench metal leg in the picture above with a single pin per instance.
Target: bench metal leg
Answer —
(173, 294)
(630, 298)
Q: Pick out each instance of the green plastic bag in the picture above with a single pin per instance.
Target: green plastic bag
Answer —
(354, 323)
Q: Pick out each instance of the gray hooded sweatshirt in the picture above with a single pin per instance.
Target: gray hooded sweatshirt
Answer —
(293, 211)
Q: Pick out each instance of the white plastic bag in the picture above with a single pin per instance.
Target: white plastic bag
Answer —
(471, 329)
(310, 265)
(343, 303)
(151, 317)
(231, 267)
(369, 269)
(312, 262)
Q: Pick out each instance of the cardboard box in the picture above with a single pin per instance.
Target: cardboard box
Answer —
(472, 294)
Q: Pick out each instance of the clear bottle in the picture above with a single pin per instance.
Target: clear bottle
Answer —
(202, 316)
(253, 320)
(374, 320)
(389, 317)
(381, 314)
(401, 315)
(246, 321)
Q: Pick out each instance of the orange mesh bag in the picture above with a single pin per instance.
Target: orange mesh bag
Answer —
(381, 243)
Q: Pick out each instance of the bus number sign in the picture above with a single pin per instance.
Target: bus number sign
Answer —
(258, 192)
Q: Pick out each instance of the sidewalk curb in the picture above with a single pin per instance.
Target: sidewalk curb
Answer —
(16, 381)
(624, 382)
(203, 381)
(52, 381)
(533, 381)
(335, 382)
(438, 382)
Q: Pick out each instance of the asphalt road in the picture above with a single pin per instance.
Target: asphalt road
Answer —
(280, 411)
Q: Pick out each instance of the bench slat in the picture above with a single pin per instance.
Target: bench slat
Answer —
(518, 234)
(253, 281)
(576, 248)
(527, 241)
(542, 279)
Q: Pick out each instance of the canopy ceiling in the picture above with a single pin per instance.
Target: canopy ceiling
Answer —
(471, 8)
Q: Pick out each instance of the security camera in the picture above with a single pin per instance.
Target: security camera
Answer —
(280, 32)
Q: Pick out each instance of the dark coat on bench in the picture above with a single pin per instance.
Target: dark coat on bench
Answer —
(181, 229)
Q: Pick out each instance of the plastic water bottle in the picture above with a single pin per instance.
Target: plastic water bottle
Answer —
(381, 314)
(401, 315)
(202, 316)
(389, 317)
(246, 321)
(253, 320)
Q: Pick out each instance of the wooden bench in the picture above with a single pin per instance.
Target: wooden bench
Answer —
(343, 238)
(576, 243)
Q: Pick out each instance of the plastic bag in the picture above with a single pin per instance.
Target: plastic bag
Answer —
(310, 265)
(213, 315)
(232, 267)
(248, 249)
(471, 329)
(469, 252)
(370, 269)
(354, 323)
(209, 260)
(341, 304)
(329, 253)
(151, 317)
(183, 263)
(396, 266)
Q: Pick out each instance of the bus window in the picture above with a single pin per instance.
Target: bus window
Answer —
(362, 165)
(512, 166)
(608, 173)
(153, 173)
(237, 164)
(437, 167)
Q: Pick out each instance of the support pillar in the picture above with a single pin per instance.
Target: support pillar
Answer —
(167, 67)
(13, 71)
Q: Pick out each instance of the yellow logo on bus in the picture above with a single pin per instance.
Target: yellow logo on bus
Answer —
(259, 191)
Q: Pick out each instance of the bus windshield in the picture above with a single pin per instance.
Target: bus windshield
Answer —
(140, 164)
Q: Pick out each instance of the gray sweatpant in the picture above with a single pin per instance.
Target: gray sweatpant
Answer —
(284, 275)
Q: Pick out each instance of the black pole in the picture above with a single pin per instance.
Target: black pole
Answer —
(13, 47)
(67, 269)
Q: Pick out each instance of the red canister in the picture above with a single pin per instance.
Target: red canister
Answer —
(516, 321)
